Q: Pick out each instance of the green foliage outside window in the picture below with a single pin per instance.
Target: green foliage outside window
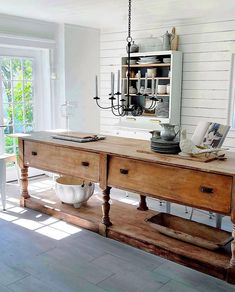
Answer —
(17, 88)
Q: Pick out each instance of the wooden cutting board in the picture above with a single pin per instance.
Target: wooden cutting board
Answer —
(201, 158)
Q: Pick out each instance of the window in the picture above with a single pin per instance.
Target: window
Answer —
(17, 76)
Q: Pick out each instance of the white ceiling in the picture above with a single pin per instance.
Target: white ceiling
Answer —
(113, 13)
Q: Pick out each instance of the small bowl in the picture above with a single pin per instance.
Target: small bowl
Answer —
(166, 60)
(132, 62)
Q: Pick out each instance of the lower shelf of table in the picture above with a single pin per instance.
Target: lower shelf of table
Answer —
(129, 226)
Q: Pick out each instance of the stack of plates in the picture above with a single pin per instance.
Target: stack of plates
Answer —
(163, 146)
(148, 60)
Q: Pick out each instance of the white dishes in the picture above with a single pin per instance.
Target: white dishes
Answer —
(161, 89)
(132, 62)
(147, 91)
(166, 60)
(148, 60)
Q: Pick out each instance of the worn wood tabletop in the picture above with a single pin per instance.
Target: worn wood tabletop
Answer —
(134, 148)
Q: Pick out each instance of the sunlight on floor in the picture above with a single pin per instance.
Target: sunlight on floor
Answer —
(129, 201)
(58, 229)
(34, 221)
(53, 233)
(7, 217)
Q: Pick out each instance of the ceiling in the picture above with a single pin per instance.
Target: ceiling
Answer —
(113, 13)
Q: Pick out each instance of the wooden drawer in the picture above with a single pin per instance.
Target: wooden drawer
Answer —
(62, 160)
(190, 187)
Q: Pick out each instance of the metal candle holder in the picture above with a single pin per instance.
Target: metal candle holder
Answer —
(121, 106)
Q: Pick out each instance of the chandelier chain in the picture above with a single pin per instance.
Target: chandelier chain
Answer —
(129, 20)
(120, 101)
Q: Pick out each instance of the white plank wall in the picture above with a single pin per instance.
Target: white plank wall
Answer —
(207, 49)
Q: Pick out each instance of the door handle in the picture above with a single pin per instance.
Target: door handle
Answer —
(205, 189)
(123, 171)
(34, 153)
(85, 163)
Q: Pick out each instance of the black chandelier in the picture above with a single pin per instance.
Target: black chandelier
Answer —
(120, 102)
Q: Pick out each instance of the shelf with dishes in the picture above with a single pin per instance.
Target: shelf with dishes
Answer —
(148, 65)
(155, 84)
(149, 78)
(136, 94)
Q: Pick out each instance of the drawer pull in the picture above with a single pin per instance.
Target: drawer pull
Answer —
(207, 190)
(123, 171)
(34, 153)
(85, 163)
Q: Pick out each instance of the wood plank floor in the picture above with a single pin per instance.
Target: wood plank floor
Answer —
(39, 252)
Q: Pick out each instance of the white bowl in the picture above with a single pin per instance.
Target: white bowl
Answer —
(132, 61)
(73, 190)
(166, 60)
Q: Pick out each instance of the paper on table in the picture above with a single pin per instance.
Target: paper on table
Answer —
(200, 132)
(76, 135)
(210, 134)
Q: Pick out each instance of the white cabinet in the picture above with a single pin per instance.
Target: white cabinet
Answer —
(163, 81)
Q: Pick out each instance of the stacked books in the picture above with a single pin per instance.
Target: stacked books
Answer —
(77, 137)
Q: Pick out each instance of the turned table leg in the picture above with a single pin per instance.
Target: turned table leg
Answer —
(24, 182)
(231, 270)
(106, 207)
(232, 262)
(142, 204)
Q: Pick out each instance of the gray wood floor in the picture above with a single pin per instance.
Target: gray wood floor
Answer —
(41, 253)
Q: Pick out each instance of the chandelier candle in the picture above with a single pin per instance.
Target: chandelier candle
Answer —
(156, 88)
(121, 102)
(96, 85)
(138, 84)
(146, 83)
(152, 84)
(112, 84)
(118, 82)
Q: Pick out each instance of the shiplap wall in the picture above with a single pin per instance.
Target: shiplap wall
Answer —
(207, 49)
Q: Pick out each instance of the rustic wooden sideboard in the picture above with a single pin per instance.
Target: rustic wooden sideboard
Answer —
(122, 163)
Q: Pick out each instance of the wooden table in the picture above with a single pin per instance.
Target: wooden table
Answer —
(120, 163)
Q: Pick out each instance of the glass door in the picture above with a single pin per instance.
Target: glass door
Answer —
(24, 88)
(17, 88)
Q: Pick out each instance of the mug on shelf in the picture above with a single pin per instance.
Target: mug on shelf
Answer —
(161, 89)
(132, 74)
(132, 90)
(151, 72)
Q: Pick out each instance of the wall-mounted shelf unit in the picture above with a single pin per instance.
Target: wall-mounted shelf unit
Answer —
(164, 72)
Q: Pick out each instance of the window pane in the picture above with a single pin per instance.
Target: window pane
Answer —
(28, 91)
(19, 128)
(8, 141)
(6, 91)
(17, 73)
(7, 113)
(28, 69)
(29, 113)
(9, 150)
(18, 113)
(6, 68)
(18, 91)
(28, 128)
